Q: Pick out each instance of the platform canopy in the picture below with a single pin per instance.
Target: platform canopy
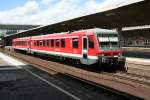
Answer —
(16, 27)
(134, 14)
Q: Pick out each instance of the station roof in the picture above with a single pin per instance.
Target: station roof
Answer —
(135, 14)
(16, 27)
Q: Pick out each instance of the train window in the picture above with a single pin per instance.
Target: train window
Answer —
(41, 43)
(52, 43)
(75, 42)
(44, 42)
(91, 42)
(34, 43)
(57, 43)
(47, 43)
(37, 43)
(63, 43)
(84, 43)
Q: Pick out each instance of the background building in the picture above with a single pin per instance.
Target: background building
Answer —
(7, 29)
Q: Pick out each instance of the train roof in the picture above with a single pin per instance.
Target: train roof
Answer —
(100, 30)
(23, 38)
(95, 30)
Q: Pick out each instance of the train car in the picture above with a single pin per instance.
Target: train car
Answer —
(21, 43)
(89, 46)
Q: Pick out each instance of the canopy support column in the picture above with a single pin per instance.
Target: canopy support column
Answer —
(120, 35)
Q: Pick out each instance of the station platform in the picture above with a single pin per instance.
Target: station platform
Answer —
(18, 83)
(21, 81)
(142, 61)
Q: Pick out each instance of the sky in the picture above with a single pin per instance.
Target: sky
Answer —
(43, 12)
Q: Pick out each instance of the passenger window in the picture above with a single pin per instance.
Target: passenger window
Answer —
(34, 43)
(47, 43)
(91, 42)
(75, 42)
(52, 43)
(44, 42)
(37, 43)
(57, 43)
(63, 43)
(41, 43)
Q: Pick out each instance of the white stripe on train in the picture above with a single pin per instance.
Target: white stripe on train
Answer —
(59, 53)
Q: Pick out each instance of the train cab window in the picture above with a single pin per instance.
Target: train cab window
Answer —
(75, 42)
(57, 43)
(63, 43)
(52, 42)
(91, 42)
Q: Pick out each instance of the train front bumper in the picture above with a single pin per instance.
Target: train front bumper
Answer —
(111, 59)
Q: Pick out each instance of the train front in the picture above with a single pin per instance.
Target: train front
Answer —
(110, 51)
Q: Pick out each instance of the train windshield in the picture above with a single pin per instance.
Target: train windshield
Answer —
(108, 41)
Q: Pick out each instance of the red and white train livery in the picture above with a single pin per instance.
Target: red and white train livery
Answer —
(88, 46)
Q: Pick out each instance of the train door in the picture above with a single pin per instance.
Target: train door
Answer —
(85, 50)
(29, 45)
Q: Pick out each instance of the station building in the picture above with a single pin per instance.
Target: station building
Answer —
(138, 36)
(8, 29)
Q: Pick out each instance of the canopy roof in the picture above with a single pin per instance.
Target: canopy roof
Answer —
(134, 14)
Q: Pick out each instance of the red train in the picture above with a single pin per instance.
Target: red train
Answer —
(87, 46)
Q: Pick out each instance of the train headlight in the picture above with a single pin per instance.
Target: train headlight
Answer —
(120, 54)
(102, 54)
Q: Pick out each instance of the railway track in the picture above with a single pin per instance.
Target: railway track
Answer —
(87, 76)
(143, 80)
(141, 70)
